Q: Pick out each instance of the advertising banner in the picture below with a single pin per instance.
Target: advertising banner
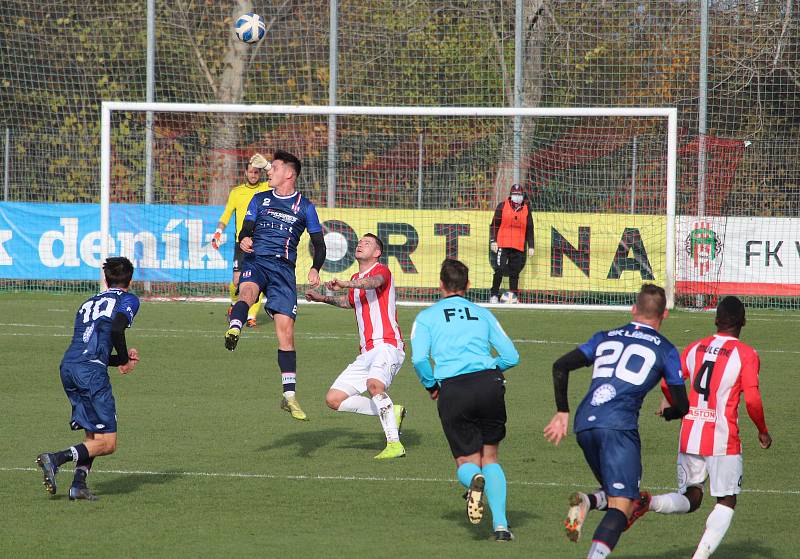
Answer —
(740, 255)
(573, 252)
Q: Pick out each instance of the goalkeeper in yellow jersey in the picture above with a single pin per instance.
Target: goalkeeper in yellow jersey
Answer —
(238, 200)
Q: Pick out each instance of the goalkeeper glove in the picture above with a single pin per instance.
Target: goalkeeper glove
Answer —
(260, 162)
(216, 238)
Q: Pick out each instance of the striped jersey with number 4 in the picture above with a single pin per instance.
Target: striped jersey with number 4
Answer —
(719, 369)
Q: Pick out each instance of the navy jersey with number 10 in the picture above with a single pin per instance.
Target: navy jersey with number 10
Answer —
(279, 223)
(91, 338)
(628, 362)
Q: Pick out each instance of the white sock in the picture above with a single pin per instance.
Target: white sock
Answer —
(358, 404)
(386, 415)
(599, 550)
(602, 501)
(717, 525)
(670, 503)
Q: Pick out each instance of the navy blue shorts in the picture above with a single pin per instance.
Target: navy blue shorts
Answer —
(615, 458)
(275, 279)
(89, 391)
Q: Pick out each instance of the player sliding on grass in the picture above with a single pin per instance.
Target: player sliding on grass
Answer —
(99, 329)
(628, 362)
(719, 369)
(469, 387)
(271, 231)
(371, 294)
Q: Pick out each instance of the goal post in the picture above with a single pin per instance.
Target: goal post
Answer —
(601, 181)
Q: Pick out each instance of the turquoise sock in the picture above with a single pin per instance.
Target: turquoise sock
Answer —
(496, 493)
(466, 471)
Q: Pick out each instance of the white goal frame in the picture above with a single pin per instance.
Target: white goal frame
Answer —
(670, 113)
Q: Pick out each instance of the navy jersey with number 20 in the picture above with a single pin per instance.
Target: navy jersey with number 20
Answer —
(628, 362)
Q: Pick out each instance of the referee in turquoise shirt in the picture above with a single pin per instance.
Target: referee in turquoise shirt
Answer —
(468, 384)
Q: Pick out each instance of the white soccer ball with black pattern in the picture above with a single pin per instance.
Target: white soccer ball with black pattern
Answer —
(509, 297)
(250, 28)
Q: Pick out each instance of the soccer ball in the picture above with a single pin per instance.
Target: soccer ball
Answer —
(250, 28)
(509, 297)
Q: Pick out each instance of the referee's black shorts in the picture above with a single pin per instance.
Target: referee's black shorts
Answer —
(472, 409)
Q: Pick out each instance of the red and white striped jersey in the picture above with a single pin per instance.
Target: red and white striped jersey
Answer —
(719, 368)
(376, 311)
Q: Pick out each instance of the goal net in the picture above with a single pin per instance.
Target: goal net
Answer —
(427, 181)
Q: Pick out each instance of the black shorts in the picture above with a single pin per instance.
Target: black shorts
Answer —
(472, 409)
(509, 261)
(238, 254)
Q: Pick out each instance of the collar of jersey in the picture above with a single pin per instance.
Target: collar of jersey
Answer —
(642, 325)
(362, 274)
(283, 197)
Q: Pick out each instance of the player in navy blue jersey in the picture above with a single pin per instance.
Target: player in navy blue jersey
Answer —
(628, 362)
(269, 237)
(99, 329)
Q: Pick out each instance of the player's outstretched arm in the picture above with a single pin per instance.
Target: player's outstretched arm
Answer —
(316, 297)
(368, 283)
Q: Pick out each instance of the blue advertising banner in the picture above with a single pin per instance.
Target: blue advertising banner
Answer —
(63, 241)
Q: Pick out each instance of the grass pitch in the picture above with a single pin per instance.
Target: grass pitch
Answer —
(208, 465)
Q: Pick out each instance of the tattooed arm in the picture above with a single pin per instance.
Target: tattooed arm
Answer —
(341, 302)
(371, 282)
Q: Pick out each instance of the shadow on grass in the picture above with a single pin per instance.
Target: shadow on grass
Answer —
(743, 550)
(129, 483)
(516, 518)
(308, 442)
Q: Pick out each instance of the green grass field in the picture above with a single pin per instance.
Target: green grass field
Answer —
(208, 465)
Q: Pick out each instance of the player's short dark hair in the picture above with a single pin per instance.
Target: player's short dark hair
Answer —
(730, 313)
(289, 159)
(454, 275)
(377, 241)
(118, 271)
(651, 302)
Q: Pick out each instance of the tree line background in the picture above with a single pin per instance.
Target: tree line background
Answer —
(60, 58)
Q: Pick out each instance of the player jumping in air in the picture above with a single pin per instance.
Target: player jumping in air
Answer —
(238, 200)
(371, 294)
(628, 362)
(99, 329)
(270, 234)
(719, 368)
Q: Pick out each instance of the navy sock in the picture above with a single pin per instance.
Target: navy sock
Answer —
(610, 528)
(78, 452)
(239, 314)
(82, 470)
(287, 361)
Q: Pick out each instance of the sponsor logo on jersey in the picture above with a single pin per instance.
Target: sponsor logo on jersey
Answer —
(87, 334)
(286, 218)
(603, 394)
(702, 414)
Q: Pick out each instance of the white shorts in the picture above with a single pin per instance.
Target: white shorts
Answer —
(381, 363)
(724, 473)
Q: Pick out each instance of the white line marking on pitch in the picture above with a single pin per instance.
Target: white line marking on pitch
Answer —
(234, 475)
